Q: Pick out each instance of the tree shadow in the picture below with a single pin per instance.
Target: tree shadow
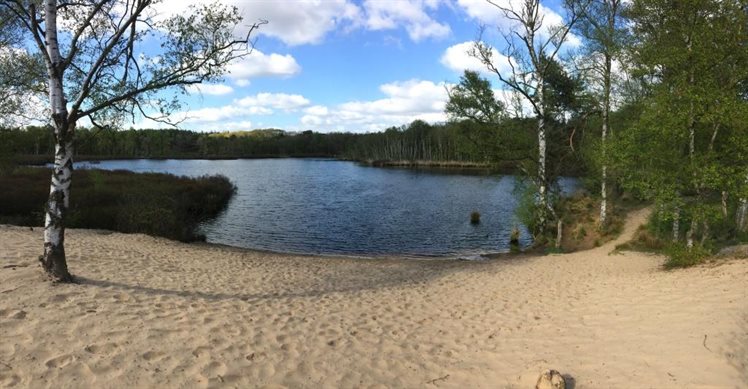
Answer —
(401, 274)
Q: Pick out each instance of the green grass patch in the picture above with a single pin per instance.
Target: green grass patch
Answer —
(151, 203)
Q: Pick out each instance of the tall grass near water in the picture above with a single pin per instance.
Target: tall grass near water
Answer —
(152, 203)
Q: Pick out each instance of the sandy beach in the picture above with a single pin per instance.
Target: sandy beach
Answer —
(149, 312)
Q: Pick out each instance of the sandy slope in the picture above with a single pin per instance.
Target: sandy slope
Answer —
(155, 313)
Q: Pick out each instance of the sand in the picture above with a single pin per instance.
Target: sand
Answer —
(149, 312)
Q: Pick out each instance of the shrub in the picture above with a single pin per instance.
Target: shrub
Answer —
(682, 256)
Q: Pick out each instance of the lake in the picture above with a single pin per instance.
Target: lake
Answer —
(320, 206)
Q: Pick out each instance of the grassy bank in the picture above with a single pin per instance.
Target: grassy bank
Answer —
(151, 203)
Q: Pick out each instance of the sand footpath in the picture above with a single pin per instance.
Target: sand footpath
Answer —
(149, 312)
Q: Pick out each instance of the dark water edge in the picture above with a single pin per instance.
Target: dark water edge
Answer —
(334, 208)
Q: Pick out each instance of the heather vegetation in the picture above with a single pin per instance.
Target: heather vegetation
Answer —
(155, 204)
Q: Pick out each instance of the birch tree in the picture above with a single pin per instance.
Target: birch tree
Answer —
(530, 48)
(689, 150)
(111, 59)
(600, 26)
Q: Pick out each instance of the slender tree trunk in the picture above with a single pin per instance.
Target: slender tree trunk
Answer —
(705, 232)
(53, 261)
(676, 224)
(724, 204)
(690, 233)
(605, 125)
(742, 214)
(542, 190)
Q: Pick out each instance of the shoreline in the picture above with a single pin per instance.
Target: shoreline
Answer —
(149, 312)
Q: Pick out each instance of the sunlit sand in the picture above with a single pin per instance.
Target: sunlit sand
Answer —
(149, 312)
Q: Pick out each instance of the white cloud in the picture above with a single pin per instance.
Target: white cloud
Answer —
(317, 110)
(404, 102)
(412, 14)
(489, 14)
(456, 58)
(258, 64)
(236, 115)
(210, 89)
(300, 22)
(283, 101)
(294, 22)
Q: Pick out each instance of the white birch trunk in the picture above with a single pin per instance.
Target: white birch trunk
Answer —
(53, 260)
(724, 204)
(542, 190)
(676, 224)
(605, 125)
(689, 234)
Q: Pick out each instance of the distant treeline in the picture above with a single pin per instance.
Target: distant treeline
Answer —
(505, 146)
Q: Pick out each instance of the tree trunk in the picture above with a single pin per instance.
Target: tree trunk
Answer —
(605, 125)
(542, 190)
(53, 261)
(689, 234)
(724, 204)
(741, 215)
(676, 224)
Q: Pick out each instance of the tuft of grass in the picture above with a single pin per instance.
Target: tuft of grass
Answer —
(581, 233)
(155, 204)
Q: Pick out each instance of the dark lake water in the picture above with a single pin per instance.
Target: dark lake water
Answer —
(337, 207)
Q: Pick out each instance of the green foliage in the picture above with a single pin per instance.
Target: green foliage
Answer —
(680, 256)
(154, 204)
(527, 207)
(473, 99)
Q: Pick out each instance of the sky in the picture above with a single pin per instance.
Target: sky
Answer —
(345, 65)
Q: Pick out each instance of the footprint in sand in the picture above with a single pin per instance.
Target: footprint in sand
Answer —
(153, 356)
(201, 351)
(214, 369)
(7, 381)
(101, 348)
(59, 298)
(12, 314)
(60, 362)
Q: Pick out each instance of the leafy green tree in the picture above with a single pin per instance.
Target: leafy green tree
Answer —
(601, 26)
(96, 69)
(473, 100)
(687, 152)
(530, 48)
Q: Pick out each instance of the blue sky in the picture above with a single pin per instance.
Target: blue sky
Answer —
(342, 65)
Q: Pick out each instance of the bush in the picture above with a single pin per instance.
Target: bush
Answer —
(155, 204)
(681, 256)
